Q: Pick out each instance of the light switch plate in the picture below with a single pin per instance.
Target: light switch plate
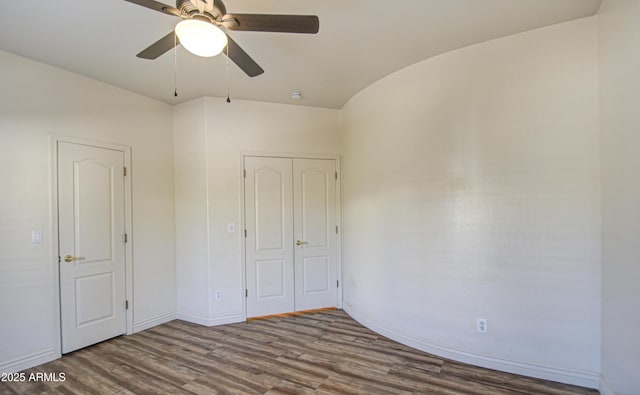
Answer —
(36, 236)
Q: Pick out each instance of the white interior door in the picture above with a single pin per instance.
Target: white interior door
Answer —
(314, 203)
(269, 225)
(291, 241)
(91, 220)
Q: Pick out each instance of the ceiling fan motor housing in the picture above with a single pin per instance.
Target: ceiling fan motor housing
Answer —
(208, 8)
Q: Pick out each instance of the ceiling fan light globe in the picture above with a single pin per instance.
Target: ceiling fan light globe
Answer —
(201, 38)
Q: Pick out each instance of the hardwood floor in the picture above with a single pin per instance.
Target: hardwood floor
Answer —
(324, 353)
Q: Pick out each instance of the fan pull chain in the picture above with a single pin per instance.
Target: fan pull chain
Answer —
(228, 99)
(175, 64)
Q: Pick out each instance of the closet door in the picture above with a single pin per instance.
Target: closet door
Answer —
(315, 220)
(269, 239)
(291, 240)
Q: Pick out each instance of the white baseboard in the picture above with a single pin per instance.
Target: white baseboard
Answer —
(604, 387)
(28, 361)
(154, 321)
(584, 379)
(211, 321)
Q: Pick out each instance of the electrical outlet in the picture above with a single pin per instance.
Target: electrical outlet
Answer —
(481, 325)
(218, 295)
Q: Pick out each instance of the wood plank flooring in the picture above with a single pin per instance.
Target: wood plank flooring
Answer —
(321, 353)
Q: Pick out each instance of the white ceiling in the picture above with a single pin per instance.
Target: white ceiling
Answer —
(359, 42)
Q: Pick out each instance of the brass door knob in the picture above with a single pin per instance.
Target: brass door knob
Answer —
(300, 242)
(69, 258)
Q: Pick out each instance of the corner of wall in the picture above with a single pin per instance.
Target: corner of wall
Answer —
(603, 387)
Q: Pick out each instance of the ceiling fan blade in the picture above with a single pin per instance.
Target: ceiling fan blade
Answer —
(159, 47)
(156, 5)
(242, 59)
(273, 23)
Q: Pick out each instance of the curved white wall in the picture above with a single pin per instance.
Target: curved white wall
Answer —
(619, 51)
(472, 190)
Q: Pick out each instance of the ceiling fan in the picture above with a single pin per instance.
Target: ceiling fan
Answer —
(200, 30)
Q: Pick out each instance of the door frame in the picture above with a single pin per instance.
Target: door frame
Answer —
(338, 159)
(53, 231)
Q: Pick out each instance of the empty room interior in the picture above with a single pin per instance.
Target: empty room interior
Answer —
(454, 181)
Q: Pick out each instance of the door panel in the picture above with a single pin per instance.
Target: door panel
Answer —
(93, 217)
(91, 224)
(95, 298)
(314, 207)
(269, 224)
(315, 273)
(313, 187)
(270, 188)
(272, 280)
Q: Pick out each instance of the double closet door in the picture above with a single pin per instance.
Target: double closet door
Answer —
(291, 234)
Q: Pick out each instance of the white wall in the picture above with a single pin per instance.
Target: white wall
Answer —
(619, 56)
(471, 190)
(192, 253)
(38, 101)
(211, 178)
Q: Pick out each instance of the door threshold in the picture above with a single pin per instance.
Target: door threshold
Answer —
(292, 314)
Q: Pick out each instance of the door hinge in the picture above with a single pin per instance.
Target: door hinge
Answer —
(125, 238)
(245, 233)
(125, 171)
(246, 293)
(336, 175)
(337, 283)
(244, 172)
(126, 305)
(336, 229)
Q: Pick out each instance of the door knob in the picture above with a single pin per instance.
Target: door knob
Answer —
(300, 242)
(69, 258)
